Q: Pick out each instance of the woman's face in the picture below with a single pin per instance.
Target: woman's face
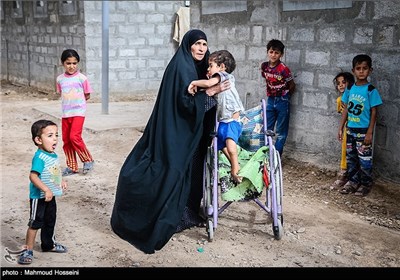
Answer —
(199, 49)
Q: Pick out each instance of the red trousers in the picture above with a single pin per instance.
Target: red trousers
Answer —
(73, 142)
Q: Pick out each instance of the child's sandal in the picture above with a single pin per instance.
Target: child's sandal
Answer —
(26, 257)
(362, 191)
(58, 248)
(349, 187)
(338, 184)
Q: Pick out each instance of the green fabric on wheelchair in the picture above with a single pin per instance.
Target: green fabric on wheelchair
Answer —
(251, 169)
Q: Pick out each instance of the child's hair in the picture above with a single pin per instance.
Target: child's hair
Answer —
(225, 57)
(347, 76)
(361, 58)
(276, 45)
(37, 128)
(69, 53)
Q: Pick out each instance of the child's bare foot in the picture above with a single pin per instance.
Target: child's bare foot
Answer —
(237, 179)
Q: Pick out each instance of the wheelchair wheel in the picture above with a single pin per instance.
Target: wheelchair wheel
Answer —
(278, 184)
(210, 230)
(207, 184)
(278, 230)
(208, 194)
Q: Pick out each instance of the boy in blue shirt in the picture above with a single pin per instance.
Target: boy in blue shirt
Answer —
(361, 102)
(46, 184)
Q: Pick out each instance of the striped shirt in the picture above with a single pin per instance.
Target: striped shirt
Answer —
(48, 167)
(73, 89)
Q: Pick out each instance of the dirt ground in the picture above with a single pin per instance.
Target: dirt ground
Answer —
(322, 228)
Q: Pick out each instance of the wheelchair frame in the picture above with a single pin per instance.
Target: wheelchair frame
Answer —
(273, 193)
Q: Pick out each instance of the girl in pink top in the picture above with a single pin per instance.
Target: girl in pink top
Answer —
(75, 89)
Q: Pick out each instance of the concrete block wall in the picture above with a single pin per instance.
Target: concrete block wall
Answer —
(140, 35)
(31, 45)
(141, 44)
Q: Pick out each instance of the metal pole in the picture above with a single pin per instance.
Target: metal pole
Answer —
(29, 63)
(105, 66)
(8, 63)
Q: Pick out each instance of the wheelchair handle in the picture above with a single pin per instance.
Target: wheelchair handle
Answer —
(270, 133)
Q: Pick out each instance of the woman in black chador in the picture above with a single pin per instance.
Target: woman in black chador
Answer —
(160, 184)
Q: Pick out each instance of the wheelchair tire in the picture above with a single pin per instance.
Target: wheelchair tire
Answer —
(210, 230)
(278, 230)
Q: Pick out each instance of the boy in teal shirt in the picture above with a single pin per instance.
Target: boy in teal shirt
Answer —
(46, 184)
(361, 101)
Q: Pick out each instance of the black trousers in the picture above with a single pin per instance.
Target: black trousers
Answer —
(43, 216)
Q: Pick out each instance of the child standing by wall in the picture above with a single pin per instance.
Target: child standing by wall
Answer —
(341, 82)
(75, 89)
(361, 102)
(221, 65)
(280, 86)
(46, 184)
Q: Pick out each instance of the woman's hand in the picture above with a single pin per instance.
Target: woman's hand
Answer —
(211, 91)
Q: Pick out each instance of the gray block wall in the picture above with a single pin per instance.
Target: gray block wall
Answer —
(319, 43)
(141, 44)
(33, 38)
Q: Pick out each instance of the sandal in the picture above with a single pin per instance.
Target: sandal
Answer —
(338, 184)
(68, 171)
(87, 166)
(362, 191)
(26, 257)
(349, 187)
(58, 248)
